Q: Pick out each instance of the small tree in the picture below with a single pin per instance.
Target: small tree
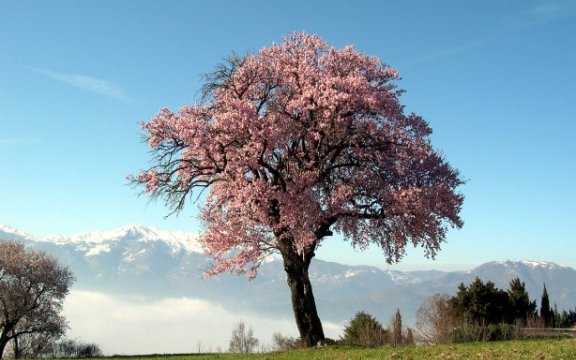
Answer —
(435, 320)
(546, 313)
(521, 308)
(33, 286)
(567, 319)
(242, 340)
(364, 330)
(395, 337)
(481, 303)
(409, 338)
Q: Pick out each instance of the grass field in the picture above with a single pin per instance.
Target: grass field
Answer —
(547, 349)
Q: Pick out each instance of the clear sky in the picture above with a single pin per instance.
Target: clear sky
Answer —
(495, 79)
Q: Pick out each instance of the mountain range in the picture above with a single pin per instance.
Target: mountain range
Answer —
(144, 261)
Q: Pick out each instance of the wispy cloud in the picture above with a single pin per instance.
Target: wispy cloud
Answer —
(551, 10)
(86, 83)
(554, 8)
(541, 13)
(546, 8)
(448, 52)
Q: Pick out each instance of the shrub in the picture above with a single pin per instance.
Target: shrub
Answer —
(364, 330)
(74, 349)
(284, 343)
(435, 323)
(491, 332)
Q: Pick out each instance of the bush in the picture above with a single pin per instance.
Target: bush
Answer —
(435, 323)
(364, 330)
(492, 332)
(284, 343)
(74, 349)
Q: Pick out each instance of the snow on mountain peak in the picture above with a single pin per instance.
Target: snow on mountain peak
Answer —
(7, 228)
(10, 233)
(528, 263)
(97, 242)
(542, 264)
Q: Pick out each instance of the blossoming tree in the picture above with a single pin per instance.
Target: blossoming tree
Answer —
(293, 143)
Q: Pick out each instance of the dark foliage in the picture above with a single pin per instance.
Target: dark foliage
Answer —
(481, 304)
(566, 319)
(364, 330)
(74, 349)
(546, 312)
(521, 308)
(486, 313)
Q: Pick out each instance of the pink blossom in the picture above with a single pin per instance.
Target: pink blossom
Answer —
(302, 140)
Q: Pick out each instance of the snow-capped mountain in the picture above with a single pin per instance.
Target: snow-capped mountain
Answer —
(97, 242)
(133, 258)
(559, 280)
(10, 233)
(144, 261)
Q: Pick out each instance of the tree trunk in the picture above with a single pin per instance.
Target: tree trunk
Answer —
(303, 304)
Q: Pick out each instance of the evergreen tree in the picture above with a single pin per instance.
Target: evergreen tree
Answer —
(556, 316)
(521, 308)
(546, 313)
(481, 303)
(364, 330)
(567, 319)
(395, 329)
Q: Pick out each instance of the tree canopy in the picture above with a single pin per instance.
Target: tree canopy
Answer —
(33, 286)
(299, 139)
(483, 303)
(293, 143)
(242, 340)
(364, 330)
(546, 312)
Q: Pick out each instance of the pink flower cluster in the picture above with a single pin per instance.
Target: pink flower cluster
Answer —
(303, 139)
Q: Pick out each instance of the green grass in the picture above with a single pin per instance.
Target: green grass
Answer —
(545, 349)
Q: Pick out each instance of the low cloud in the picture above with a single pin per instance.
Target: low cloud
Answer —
(86, 83)
(124, 325)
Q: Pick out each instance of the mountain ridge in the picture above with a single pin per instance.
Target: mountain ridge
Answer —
(191, 240)
(141, 260)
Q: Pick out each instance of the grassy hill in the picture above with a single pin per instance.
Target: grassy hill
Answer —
(544, 349)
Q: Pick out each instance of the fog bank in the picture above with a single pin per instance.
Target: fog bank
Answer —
(133, 325)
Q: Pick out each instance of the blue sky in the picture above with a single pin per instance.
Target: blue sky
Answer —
(495, 80)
